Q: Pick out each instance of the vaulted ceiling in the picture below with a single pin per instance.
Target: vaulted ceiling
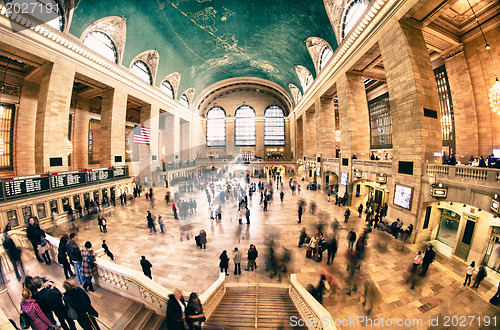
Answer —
(211, 40)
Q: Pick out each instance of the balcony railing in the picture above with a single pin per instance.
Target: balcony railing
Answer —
(464, 173)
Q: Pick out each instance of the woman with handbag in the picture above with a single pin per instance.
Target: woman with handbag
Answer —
(89, 268)
(37, 319)
(194, 312)
(80, 306)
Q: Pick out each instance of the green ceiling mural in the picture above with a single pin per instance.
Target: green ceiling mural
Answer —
(211, 40)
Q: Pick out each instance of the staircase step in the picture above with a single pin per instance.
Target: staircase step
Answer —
(154, 322)
(129, 314)
(140, 319)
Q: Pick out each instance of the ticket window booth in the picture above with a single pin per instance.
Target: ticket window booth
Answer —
(96, 195)
(27, 213)
(65, 204)
(492, 256)
(12, 218)
(40, 211)
(76, 201)
(53, 206)
(448, 227)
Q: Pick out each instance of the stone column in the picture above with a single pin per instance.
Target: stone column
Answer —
(230, 147)
(149, 157)
(52, 117)
(167, 137)
(310, 130)
(260, 148)
(325, 127)
(177, 137)
(185, 139)
(113, 114)
(464, 105)
(354, 118)
(80, 138)
(24, 132)
(299, 138)
(412, 88)
(288, 138)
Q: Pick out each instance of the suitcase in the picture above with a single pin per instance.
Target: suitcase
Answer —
(197, 239)
(309, 253)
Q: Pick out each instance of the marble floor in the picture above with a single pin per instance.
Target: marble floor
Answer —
(439, 300)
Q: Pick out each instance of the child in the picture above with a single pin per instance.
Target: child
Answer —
(417, 261)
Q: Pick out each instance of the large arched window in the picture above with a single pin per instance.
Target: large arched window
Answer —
(245, 126)
(184, 100)
(216, 127)
(48, 11)
(141, 71)
(166, 87)
(308, 82)
(352, 15)
(274, 126)
(102, 44)
(326, 55)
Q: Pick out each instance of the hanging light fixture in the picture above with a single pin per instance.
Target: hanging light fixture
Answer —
(495, 90)
(2, 87)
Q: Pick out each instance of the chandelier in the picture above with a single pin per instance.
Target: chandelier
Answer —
(495, 90)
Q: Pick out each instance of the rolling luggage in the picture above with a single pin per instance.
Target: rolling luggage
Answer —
(309, 253)
(197, 239)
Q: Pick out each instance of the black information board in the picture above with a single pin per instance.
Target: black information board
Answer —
(67, 179)
(99, 174)
(118, 172)
(26, 185)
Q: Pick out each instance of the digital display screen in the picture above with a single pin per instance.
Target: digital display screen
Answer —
(494, 205)
(99, 174)
(26, 185)
(67, 179)
(402, 196)
(343, 178)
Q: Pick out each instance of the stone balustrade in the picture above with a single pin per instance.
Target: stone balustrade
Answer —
(212, 296)
(465, 173)
(125, 281)
(311, 311)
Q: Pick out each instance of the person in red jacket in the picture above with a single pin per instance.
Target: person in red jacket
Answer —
(174, 208)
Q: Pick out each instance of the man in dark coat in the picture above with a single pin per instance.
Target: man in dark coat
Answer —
(146, 267)
(251, 257)
(428, 259)
(54, 298)
(299, 212)
(33, 235)
(332, 250)
(75, 255)
(175, 311)
(14, 254)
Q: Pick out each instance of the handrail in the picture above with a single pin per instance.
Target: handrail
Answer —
(309, 308)
(99, 320)
(211, 297)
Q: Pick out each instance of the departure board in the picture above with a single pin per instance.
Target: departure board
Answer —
(118, 171)
(99, 174)
(26, 185)
(67, 179)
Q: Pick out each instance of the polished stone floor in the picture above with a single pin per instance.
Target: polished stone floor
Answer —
(177, 262)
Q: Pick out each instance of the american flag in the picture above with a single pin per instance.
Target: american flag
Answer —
(142, 135)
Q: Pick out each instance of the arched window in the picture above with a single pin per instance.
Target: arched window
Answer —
(308, 82)
(274, 126)
(245, 126)
(352, 15)
(48, 11)
(166, 87)
(326, 55)
(299, 96)
(184, 100)
(102, 44)
(141, 71)
(216, 127)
